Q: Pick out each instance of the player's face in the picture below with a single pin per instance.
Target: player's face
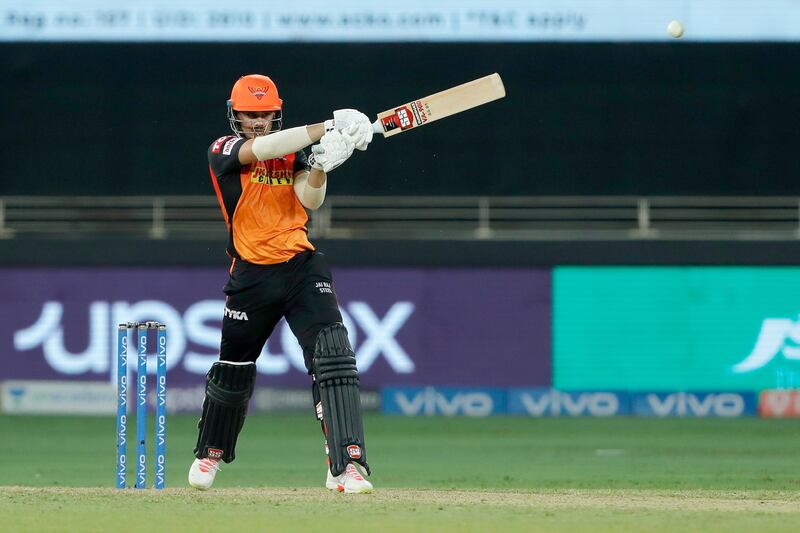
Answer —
(256, 123)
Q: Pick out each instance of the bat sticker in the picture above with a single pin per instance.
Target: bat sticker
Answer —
(419, 112)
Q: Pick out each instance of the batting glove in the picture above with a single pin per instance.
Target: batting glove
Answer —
(333, 149)
(344, 119)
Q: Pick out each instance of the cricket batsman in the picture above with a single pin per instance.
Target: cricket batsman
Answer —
(264, 182)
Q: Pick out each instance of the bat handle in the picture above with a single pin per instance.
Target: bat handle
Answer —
(377, 127)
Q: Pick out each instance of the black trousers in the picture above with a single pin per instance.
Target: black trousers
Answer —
(300, 289)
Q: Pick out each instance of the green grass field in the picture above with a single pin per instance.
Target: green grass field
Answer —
(430, 474)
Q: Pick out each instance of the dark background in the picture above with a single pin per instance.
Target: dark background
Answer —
(651, 119)
(405, 253)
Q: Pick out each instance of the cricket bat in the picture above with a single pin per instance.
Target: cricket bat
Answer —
(440, 105)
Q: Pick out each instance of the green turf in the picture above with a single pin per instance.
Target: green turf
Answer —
(518, 453)
(569, 473)
(395, 510)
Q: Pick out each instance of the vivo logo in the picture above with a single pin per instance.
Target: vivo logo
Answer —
(160, 470)
(162, 351)
(161, 395)
(122, 435)
(194, 337)
(142, 390)
(692, 404)
(161, 431)
(122, 470)
(430, 401)
(557, 403)
(123, 391)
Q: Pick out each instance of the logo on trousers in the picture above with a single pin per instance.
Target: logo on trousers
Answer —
(215, 453)
(236, 315)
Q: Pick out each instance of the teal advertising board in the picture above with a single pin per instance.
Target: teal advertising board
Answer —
(676, 328)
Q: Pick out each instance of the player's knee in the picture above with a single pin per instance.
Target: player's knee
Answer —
(333, 357)
(229, 387)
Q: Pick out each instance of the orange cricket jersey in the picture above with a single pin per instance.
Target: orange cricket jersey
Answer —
(266, 222)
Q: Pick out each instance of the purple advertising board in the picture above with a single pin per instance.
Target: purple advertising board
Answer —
(448, 327)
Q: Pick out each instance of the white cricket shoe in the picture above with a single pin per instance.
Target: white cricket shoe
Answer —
(350, 481)
(203, 472)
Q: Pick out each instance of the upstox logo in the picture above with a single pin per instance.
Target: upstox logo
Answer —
(778, 337)
(194, 336)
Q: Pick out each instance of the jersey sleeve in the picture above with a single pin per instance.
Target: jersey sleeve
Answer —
(223, 155)
(301, 161)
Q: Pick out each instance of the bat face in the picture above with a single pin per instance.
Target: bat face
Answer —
(442, 104)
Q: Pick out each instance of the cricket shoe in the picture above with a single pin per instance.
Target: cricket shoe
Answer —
(350, 481)
(203, 472)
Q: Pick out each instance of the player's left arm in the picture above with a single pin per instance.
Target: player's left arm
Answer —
(334, 148)
(310, 183)
(310, 187)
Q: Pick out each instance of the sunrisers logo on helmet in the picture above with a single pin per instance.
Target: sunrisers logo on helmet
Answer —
(254, 92)
(259, 92)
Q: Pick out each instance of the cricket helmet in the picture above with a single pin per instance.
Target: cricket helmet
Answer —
(254, 92)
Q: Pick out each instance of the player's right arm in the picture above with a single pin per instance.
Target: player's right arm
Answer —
(280, 143)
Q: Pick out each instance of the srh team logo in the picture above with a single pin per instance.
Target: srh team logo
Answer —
(215, 453)
(258, 92)
(354, 451)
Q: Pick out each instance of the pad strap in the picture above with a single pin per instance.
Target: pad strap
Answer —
(229, 387)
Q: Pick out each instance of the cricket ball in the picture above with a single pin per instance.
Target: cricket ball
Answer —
(675, 29)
